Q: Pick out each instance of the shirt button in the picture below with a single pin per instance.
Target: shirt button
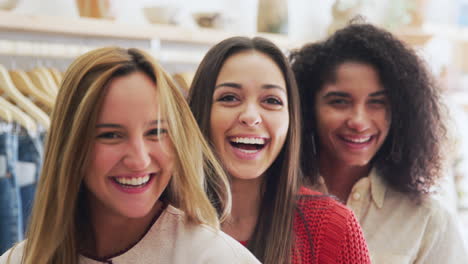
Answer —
(356, 196)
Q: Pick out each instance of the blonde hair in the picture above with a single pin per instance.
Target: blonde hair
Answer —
(57, 217)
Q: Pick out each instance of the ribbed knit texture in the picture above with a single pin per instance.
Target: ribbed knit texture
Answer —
(335, 233)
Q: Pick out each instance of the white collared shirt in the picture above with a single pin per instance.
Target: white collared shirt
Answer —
(398, 230)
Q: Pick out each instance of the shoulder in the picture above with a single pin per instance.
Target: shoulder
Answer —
(424, 209)
(323, 216)
(206, 244)
(14, 255)
(442, 239)
(221, 248)
(439, 217)
(333, 228)
(313, 204)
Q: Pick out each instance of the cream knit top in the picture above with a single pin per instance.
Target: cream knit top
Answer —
(171, 240)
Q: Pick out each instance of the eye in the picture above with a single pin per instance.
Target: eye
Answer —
(273, 101)
(378, 103)
(109, 135)
(157, 133)
(228, 98)
(338, 102)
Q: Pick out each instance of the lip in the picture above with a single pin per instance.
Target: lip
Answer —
(247, 156)
(134, 190)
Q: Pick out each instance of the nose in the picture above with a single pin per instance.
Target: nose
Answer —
(138, 156)
(250, 115)
(359, 120)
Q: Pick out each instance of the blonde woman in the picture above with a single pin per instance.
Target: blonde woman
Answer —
(123, 177)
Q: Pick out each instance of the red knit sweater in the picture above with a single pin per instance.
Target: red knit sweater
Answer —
(335, 233)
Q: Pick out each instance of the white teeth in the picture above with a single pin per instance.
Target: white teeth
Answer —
(359, 140)
(246, 140)
(249, 151)
(133, 181)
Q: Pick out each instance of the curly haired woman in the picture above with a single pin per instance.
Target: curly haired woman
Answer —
(372, 137)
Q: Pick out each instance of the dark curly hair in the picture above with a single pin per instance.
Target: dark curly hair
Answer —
(409, 159)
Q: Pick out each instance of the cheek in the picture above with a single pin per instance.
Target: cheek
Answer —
(220, 121)
(164, 155)
(383, 119)
(280, 125)
(105, 157)
(327, 121)
(386, 123)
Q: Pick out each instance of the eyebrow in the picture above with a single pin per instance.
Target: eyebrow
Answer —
(347, 95)
(379, 93)
(239, 86)
(337, 94)
(111, 125)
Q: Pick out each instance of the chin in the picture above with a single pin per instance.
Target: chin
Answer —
(136, 211)
(357, 162)
(137, 214)
(246, 174)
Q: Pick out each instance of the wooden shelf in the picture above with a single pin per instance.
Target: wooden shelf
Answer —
(414, 36)
(10, 21)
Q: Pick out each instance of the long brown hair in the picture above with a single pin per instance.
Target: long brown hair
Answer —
(57, 218)
(273, 237)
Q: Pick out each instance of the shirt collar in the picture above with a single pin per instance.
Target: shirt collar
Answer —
(378, 187)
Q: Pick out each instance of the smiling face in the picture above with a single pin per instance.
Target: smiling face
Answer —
(132, 157)
(353, 116)
(249, 116)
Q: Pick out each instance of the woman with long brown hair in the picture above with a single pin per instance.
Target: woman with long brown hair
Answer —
(245, 99)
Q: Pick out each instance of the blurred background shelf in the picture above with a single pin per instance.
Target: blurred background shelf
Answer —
(92, 27)
(179, 48)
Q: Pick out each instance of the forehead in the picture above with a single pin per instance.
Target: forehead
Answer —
(134, 94)
(248, 66)
(354, 77)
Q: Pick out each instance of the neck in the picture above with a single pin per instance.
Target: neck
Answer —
(114, 233)
(246, 198)
(340, 179)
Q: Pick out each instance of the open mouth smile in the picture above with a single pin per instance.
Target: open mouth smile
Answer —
(248, 145)
(134, 182)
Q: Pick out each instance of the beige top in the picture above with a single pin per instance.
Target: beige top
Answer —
(399, 231)
(172, 240)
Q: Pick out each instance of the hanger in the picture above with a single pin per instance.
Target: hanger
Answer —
(8, 88)
(24, 84)
(5, 114)
(19, 116)
(57, 75)
(48, 78)
(184, 80)
(40, 82)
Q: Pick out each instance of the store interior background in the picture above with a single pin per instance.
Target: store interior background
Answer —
(51, 33)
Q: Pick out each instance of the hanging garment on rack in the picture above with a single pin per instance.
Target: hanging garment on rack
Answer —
(10, 200)
(28, 166)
